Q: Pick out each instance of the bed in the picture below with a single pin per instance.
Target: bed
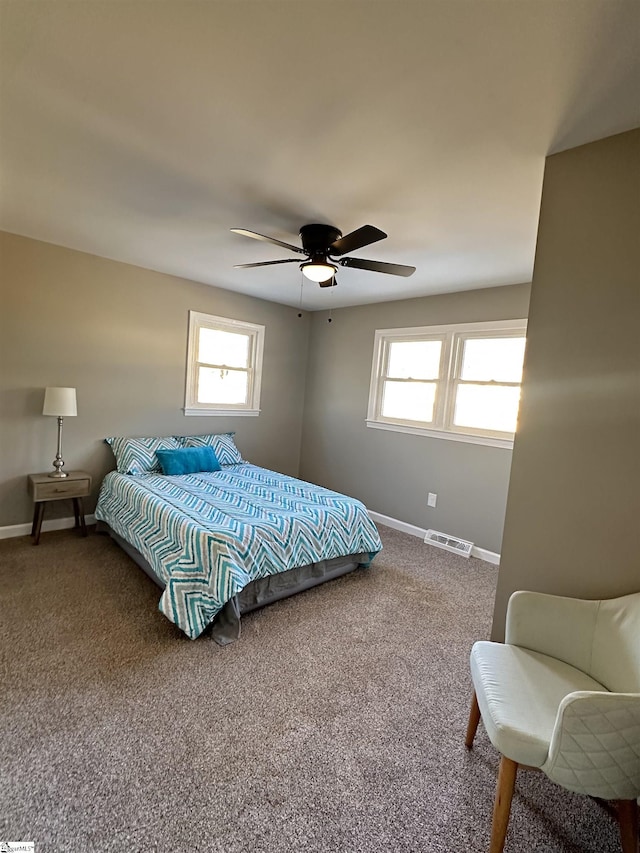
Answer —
(221, 543)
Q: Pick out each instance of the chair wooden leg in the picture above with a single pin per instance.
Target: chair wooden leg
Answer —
(628, 820)
(502, 804)
(474, 719)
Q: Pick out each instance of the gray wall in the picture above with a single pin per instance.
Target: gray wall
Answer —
(118, 334)
(392, 472)
(573, 515)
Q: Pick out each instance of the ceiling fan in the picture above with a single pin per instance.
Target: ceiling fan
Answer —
(323, 246)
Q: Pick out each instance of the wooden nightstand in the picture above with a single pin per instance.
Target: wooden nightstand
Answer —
(42, 488)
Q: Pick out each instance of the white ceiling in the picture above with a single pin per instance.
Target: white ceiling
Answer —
(144, 131)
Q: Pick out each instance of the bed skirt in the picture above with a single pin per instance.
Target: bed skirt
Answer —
(225, 628)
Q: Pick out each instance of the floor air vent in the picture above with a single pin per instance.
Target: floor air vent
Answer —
(449, 543)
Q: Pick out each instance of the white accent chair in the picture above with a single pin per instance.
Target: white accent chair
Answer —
(562, 695)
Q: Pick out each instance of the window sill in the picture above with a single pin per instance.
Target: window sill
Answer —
(447, 436)
(208, 413)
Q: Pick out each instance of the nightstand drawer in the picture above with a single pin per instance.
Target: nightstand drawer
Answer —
(45, 488)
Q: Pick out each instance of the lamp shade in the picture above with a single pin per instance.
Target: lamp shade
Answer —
(60, 402)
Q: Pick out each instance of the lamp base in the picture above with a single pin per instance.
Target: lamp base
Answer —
(58, 462)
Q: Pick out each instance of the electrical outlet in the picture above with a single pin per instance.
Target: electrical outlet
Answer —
(431, 500)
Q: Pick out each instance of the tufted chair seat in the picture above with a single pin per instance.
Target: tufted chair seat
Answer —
(562, 695)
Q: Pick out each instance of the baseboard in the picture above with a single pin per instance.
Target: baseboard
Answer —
(487, 556)
(412, 530)
(53, 524)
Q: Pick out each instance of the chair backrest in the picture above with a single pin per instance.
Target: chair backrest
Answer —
(615, 656)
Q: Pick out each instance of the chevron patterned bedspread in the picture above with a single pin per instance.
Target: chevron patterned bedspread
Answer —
(208, 535)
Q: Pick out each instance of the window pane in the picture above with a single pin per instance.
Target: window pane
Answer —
(497, 359)
(217, 347)
(222, 386)
(409, 401)
(414, 359)
(487, 407)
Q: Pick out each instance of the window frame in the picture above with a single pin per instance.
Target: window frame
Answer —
(255, 333)
(453, 337)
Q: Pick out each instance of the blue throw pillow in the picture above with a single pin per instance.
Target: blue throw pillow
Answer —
(188, 460)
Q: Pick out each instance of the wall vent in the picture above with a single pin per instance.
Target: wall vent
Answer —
(449, 543)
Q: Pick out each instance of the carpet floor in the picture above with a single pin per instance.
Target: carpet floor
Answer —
(334, 725)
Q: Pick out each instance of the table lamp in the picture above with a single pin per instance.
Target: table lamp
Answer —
(59, 403)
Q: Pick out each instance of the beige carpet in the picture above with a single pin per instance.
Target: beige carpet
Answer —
(334, 725)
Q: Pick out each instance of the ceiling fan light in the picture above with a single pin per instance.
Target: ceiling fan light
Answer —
(317, 271)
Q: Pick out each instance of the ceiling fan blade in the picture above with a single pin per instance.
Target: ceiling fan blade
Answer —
(265, 264)
(257, 236)
(364, 236)
(377, 266)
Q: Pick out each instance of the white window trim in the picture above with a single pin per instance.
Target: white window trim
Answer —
(452, 337)
(198, 320)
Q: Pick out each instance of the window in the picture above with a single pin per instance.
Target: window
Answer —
(456, 382)
(224, 365)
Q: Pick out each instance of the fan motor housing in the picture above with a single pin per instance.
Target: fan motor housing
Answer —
(316, 239)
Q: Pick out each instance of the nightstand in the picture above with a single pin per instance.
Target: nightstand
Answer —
(42, 488)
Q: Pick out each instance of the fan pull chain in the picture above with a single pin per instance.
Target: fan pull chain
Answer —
(301, 286)
(330, 289)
